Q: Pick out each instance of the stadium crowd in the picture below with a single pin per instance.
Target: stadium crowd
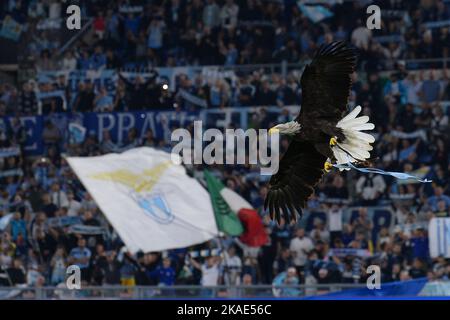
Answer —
(227, 32)
(143, 35)
(412, 133)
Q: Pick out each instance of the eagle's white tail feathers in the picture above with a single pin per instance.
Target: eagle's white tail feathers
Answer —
(339, 157)
(358, 135)
(356, 145)
(357, 153)
(353, 122)
(364, 126)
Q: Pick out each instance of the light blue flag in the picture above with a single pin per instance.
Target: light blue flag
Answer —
(315, 13)
(4, 221)
(11, 29)
(77, 132)
(398, 175)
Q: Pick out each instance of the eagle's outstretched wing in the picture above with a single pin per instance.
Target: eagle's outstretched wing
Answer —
(326, 82)
(299, 171)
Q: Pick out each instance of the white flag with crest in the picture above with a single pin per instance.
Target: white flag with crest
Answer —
(150, 201)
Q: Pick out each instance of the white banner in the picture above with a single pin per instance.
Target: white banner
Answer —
(439, 235)
(151, 202)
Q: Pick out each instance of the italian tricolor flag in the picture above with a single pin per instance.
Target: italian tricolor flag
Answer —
(235, 216)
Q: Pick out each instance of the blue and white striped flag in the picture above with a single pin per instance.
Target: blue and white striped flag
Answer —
(439, 235)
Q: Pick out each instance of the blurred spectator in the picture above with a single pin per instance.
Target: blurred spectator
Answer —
(59, 265)
(80, 256)
(28, 100)
(335, 224)
(437, 197)
(300, 247)
(69, 62)
(59, 197)
(84, 101)
(232, 265)
(164, 274)
(16, 273)
(103, 102)
(370, 188)
(209, 271)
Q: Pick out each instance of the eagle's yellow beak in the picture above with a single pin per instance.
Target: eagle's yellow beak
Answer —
(273, 130)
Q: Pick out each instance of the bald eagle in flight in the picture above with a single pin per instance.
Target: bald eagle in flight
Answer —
(320, 135)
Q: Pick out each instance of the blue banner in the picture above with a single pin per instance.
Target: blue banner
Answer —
(409, 288)
(73, 127)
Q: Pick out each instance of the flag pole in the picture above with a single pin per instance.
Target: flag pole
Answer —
(225, 259)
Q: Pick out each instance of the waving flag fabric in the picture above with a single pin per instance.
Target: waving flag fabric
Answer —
(227, 220)
(151, 202)
(11, 29)
(255, 233)
(235, 216)
(315, 13)
(4, 221)
(397, 175)
(439, 235)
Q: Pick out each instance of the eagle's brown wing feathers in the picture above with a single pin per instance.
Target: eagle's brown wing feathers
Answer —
(326, 84)
(301, 168)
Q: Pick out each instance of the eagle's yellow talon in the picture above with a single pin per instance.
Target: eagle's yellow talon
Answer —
(327, 166)
(333, 141)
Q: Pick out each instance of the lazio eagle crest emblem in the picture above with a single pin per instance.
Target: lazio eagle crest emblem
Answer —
(141, 188)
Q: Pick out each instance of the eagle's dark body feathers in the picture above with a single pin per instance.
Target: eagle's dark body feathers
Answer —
(326, 84)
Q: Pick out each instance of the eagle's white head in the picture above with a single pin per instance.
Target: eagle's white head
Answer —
(289, 128)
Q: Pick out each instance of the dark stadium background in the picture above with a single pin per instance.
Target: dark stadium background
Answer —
(258, 49)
